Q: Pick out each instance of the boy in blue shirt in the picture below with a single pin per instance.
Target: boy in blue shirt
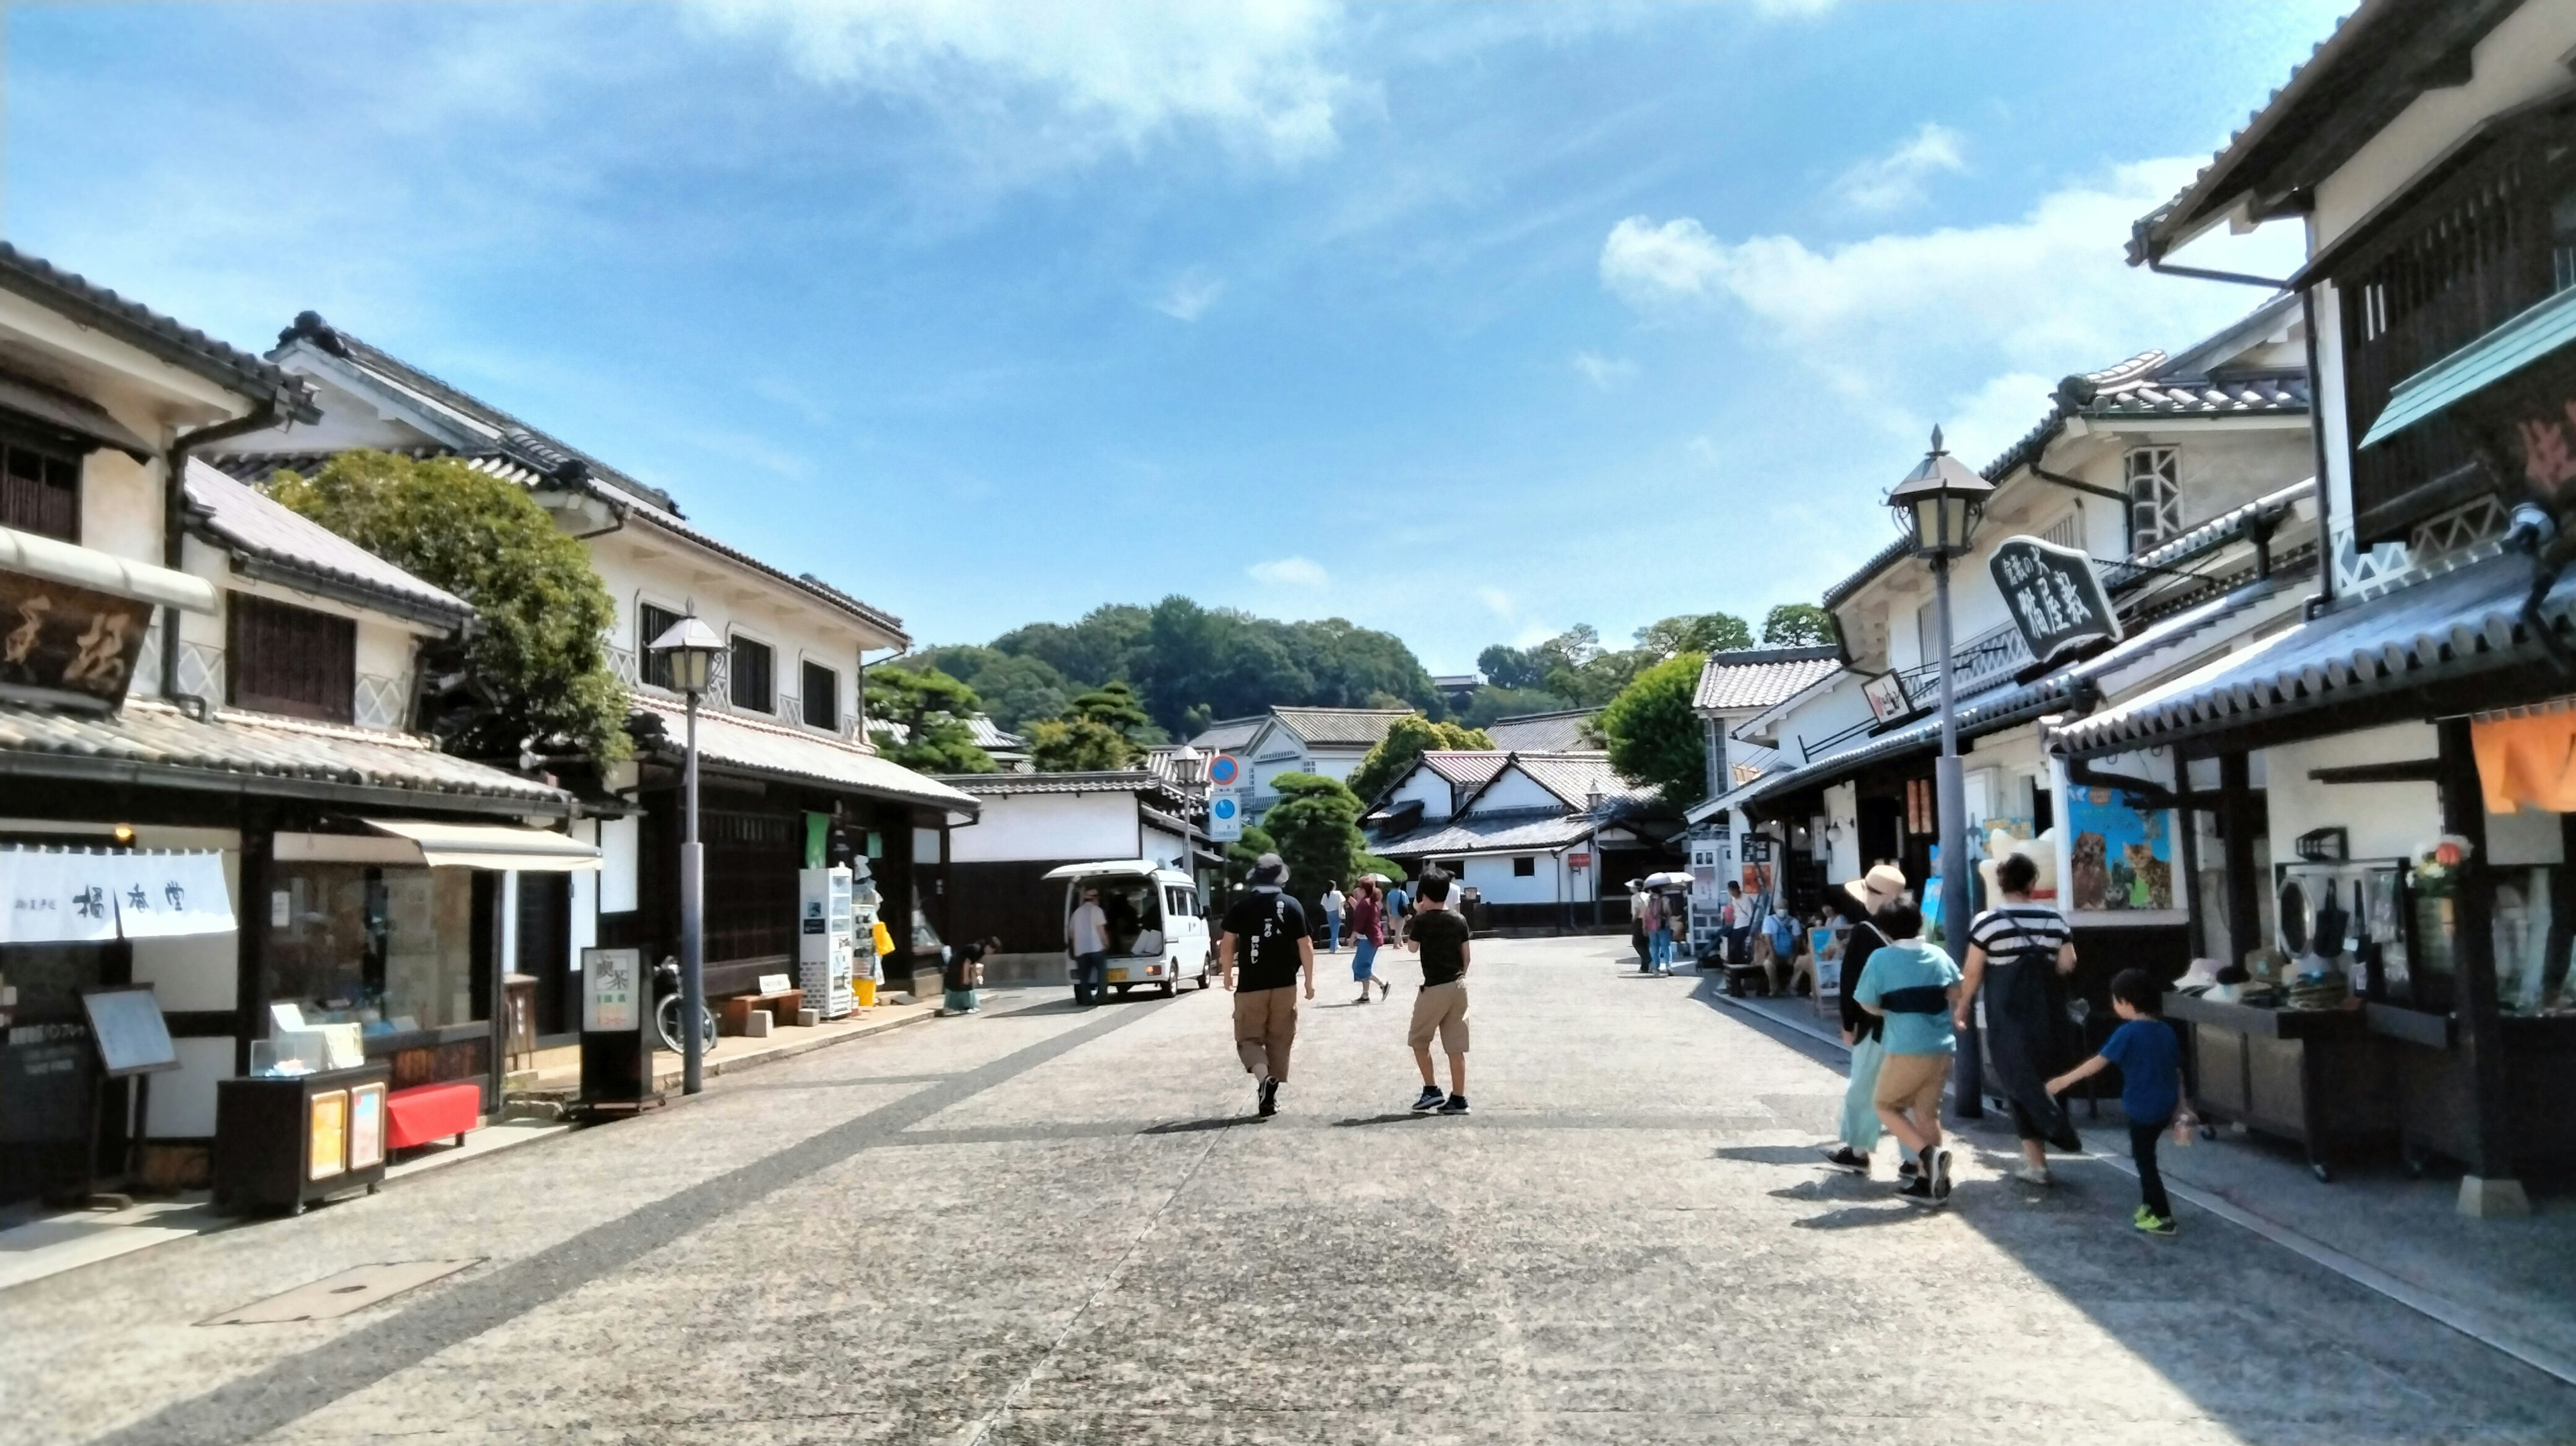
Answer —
(1913, 987)
(2150, 1061)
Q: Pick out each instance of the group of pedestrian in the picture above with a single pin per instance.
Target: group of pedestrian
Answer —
(1659, 921)
(1267, 956)
(1903, 1002)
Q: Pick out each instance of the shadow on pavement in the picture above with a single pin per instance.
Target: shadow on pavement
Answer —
(1808, 1155)
(1855, 1217)
(1192, 1127)
(1385, 1119)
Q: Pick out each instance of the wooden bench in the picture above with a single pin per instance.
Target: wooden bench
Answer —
(773, 995)
(423, 1113)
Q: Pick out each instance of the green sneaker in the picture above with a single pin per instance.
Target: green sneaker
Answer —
(2152, 1223)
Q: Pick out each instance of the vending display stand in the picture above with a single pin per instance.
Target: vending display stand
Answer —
(284, 1141)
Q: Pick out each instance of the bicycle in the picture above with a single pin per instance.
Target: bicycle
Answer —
(666, 1013)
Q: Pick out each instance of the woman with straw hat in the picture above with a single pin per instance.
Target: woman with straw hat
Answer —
(1882, 886)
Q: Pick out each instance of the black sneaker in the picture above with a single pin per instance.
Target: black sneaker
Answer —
(1455, 1105)
(1269, 1098)
(1941, 1176)
(1844, 1157)
(1916, 1191)
(1429, 1099)
(1907, 1170)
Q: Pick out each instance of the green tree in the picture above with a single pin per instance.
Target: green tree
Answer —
(1654, 737)
(1077, 745)
(1316, 825)
(936, 713)
(1016, 690)
(1406, 740)
(538, 667)
(1491, 705)
(1695, 633)
(1798, 625)
(1114, 706)
(1243, 853)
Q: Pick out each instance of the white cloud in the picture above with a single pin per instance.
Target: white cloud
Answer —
(1497, 600)
(1290, 572)
(1075, 76)
(1896, 179)
(1952, 321)
(1604, 372)
(1190, 295)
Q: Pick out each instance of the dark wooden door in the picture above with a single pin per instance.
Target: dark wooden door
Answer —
(545, 944)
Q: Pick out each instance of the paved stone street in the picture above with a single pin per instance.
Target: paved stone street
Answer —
(1050, 1225)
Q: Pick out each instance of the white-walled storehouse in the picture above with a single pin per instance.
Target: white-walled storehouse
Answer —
(1033, 822)
(198, 681)
(789, 778)
(1547, 840)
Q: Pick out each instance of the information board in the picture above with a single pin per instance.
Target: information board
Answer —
(613, 996)
(132, 1036)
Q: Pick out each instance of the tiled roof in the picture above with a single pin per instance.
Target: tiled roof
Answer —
(251, 525)
(1551, 731)
(141, 327)
(153, 744)
(1123, 780)
(980, 730)
(2415, 638)
(1365, 727)
(1754, 679)
(1574, 777)
(517, 452)
(1227, 734)
(2148, 385)
(1534, 829)
(1464, 767)
(779, 751)
(2359, 77)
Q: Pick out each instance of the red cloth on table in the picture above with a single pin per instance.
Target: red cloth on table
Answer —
(424, 1113)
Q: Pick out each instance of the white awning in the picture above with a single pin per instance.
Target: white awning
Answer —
(492, 846)
(58, 561)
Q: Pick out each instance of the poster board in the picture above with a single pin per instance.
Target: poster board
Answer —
(366, 1127)
(2120, 866)
(613, 991)
(132, 1036)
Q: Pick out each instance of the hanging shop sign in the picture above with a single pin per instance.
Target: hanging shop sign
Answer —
(1887, 700)
(74, 897)
(2057, 600)
(2523, 427)
(63, 643)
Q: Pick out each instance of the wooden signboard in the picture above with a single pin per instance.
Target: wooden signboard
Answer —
(60, 643)
(2056, 599)
(132, 1036)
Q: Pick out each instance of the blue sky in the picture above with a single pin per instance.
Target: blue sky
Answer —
(1466, 322)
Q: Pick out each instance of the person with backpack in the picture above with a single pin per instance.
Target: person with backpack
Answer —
(1265, 931)
(2015, 951)
(1883, 887)
(1913, 989)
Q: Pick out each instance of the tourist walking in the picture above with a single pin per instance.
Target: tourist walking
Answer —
(1265, 929)
(962, 976)
(1333, 917)
(1440, 935)
(1913, 988)
(1880, 888)
(1735, 924)
(1368, 934)
(1398, 909)
(1090, 946)
(2015, 950)
(1637, 925)
(2150, 1061)
(1659, 942)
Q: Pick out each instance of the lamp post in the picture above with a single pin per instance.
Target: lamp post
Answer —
(1937, 505)
(691, 646)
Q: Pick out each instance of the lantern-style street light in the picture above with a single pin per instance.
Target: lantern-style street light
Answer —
(690, 648)
(1938, 506)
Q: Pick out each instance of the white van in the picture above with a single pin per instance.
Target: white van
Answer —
(1158, 935)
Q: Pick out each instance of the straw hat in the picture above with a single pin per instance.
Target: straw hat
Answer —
(1878, 888)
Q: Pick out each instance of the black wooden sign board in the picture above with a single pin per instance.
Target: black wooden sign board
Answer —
(60, 643)
(2056, 598)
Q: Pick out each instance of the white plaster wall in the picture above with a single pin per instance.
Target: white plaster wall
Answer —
(585, 900)
(1165, 847)
(1493, 878)
(121, 506)
(1512, 788)
(1842, 837)
(619, 842)
(1071, 827)
(2385, 820)
(1335, 763)
(1427, 786)
(733, 599)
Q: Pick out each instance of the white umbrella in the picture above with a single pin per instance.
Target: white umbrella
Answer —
(1373, 878)
(1670, 879)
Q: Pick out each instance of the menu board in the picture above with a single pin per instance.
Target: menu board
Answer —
(327, 1131)
(132, 1036)
(366, 1127)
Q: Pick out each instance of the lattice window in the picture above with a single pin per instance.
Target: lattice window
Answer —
(39, 489)
(2155, 496)
(2067, 531)
(292, 660)
(752, 687)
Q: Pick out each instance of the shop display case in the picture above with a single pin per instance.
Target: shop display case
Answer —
(283, 1141)
(2320, 1078)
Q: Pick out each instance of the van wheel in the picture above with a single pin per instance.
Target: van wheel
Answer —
(1170, 988)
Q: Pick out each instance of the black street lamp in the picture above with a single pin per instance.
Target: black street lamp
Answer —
(690, 646)
(1938, 506)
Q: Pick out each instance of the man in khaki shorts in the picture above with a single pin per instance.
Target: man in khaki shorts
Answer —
(1265, 936)
(1439, 935)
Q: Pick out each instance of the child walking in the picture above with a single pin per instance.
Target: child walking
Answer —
(2150, 1061)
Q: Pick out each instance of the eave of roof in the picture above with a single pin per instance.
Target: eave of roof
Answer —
(157, 335)
(269, 541)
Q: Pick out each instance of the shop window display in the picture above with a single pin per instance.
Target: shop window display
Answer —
(389, 949)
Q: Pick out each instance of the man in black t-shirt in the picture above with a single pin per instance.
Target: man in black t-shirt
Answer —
(1266, 929)
(1440, 935)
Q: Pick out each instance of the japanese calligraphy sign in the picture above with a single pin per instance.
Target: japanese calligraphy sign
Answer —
(57, 640)
(2054, 596)
(2524, 428)
(75, 898)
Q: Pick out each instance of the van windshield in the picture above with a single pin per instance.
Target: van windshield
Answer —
(1133, 910)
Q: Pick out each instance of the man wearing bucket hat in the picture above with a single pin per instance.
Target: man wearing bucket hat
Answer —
(1872, 893)
(1266, 930)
